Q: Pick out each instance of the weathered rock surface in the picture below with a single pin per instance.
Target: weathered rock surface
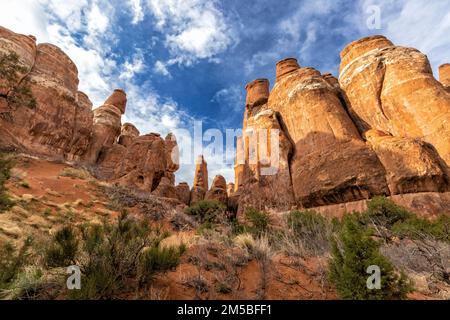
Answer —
(330, 163)
(230, 189)
(424, 204)
(218, 190)
(183, 193)
(25, 48)
(62, 125)
(200, 185)
(201, 173)
(412, 166)
(444, 75)
(392, 89)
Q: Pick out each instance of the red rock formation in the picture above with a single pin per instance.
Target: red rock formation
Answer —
(285, 67)
(444, 75)
(218, 190)
(330, 163)
(201, 173)
(412, 166)
(200, 185)
(392, 89)
(25, 48)
(262, 161)
(106, 130)
(62, 125)
(118, 99)
(128, 134)
(257, 93)
(183, 193)
(230, 189)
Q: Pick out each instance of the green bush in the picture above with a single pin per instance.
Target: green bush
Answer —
(5, 173)
(417, 228)
(353, 252)
(63, 249)
(312, 228)
(118, 257)
(157, 259)
(11, 264)
(259, 221)
(209, 211)
(384, 212)
(398, 221)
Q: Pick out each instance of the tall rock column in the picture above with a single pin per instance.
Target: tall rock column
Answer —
(200, 185)
(392, 89)
(262, 174)
(107, 125)
(330, 163)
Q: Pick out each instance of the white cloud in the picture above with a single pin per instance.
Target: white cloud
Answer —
(413, 23)
(194, 29)
(133, 67)
(137, 10)
(161, 68)
(232, 97)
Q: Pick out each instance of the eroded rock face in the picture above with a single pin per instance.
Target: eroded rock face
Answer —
(201, 173)
(200, 185)
(62, 125)
(127, 134)
(266, 181)
(230, 189)
(412, 166)
(392, 89)
(331, 163)
(218, 190)
(183, 193)
(444, 75)
(25, 48)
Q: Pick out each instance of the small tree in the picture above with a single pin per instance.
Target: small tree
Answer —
(207, 211)
(353, 252)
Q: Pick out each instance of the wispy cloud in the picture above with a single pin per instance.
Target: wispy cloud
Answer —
(193, 29)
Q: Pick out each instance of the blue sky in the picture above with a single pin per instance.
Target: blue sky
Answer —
(187, 60)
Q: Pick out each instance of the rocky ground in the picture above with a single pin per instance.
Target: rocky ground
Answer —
(217, 263)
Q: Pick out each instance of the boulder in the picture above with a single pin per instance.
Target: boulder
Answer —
(412, 166)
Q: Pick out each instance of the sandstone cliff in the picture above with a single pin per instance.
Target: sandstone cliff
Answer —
(60, 123)
(392, 89)
(381, 129)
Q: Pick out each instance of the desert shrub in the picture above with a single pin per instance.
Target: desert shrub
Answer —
(259, 221)
(22, 95)
(353, 251)
(207, 211)
(5, 173)
(393, 219)
(77, 173)
(116, 258)
(417, 228)
(310, 229)
(385, 213)
(159, 259)
(10, 67)
(63, 248)
(12, 263)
